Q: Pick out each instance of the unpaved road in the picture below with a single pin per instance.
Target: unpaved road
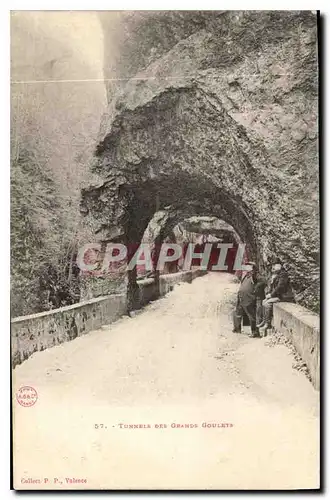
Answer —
(177, 362)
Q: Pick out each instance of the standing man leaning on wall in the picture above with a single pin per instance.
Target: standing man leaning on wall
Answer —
(250, 291)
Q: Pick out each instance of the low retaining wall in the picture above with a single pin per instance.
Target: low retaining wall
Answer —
(38, 332)
(167, 282)
(149, 290)
(302, 327)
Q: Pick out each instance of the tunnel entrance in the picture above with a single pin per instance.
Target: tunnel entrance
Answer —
(180, 201)
(168, 205)
(200, 231)
(155, 163)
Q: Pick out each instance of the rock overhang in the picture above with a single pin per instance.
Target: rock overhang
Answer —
(203, 136)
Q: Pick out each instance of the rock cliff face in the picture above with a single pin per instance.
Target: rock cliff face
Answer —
(215, 115)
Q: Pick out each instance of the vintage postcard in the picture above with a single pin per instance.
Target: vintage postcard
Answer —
(165, 250)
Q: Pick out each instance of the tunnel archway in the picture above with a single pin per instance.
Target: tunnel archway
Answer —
(181, 228)
(196, 178)
(136, 223)
(141, 177)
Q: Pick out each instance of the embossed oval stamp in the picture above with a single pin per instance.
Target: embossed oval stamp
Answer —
(27, 396)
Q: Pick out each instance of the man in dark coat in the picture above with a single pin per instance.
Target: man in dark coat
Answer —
(279, 290)
(251, 287)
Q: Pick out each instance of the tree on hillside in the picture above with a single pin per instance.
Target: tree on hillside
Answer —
(41, 250)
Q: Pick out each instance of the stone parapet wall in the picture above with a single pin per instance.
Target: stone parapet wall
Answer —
(38, 332)
(302, 327)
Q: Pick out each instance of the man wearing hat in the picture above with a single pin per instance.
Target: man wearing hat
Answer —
(251, 286)
(279, 290)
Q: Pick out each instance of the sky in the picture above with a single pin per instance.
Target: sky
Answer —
(57, 93)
